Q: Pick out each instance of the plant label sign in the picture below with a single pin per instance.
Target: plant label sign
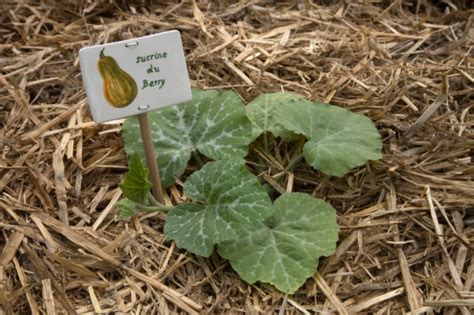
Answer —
(135, 76)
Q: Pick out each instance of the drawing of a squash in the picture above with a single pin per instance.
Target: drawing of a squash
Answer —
(120, 89)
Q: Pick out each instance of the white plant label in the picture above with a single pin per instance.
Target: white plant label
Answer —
(135, 76)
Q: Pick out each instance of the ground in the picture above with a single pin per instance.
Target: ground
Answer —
(406, 221)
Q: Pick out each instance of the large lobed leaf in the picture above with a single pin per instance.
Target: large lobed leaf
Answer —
(227, 201)
(213, 123)
(339, 140)
(284, 250)
(261, 112)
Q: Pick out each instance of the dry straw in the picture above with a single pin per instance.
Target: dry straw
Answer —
(407, 220)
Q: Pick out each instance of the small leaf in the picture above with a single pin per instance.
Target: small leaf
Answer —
(261, 113)
(214, 123)
(227, 200)
(126, 208)
(136, 185)
(284, 251)
(339, 140)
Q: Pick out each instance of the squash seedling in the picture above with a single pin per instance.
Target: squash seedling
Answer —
(277, 242)
(227, 209)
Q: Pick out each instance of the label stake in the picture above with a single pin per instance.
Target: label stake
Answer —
(150, 157)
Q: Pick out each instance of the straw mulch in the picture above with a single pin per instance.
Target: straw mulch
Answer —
(407, 222)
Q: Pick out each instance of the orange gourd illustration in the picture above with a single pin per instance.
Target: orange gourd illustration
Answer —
(120, 89)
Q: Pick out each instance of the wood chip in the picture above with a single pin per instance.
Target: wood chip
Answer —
(375, 300)
(48, 298)
(413, 296)
(340, 308)
(10, 248)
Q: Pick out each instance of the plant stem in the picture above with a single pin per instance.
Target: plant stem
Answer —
(152, 199)
(160, 208)
(265, 142)
(198, 159)
(155, 205)
(291, 165)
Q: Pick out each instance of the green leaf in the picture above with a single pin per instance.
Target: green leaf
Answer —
(261, 113)
(227, 201)
(284, 251)
(136, 185)
(339, 140)
(214, 123)
(126, 208)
